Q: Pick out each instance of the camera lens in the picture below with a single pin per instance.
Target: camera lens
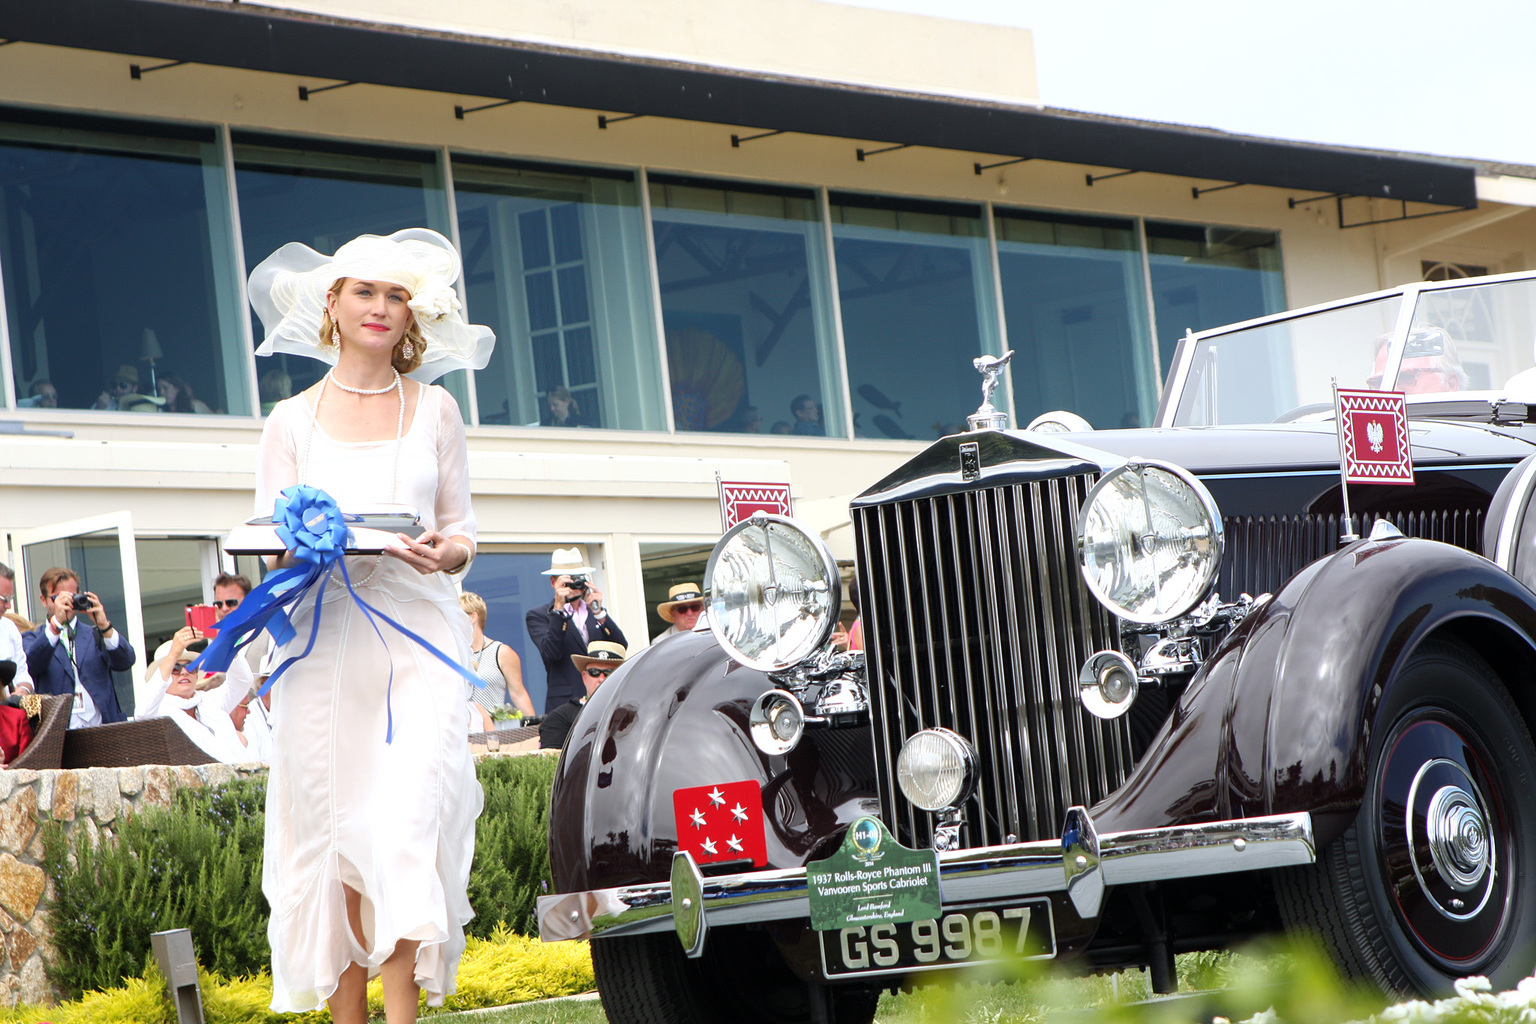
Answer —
(81, 603)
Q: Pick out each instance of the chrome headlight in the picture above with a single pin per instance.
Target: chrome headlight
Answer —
(936, 769)
(1150, 540)
(774, 593)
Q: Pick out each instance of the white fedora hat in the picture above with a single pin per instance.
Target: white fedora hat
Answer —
(568, 562)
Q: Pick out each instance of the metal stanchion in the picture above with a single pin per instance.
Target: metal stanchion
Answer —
(178, 962)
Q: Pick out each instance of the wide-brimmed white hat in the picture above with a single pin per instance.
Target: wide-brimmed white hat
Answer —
(568, 561)
(288, 292)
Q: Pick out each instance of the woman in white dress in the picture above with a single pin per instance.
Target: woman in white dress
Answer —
(369, 840)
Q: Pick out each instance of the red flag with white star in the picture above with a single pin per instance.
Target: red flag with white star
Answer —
(1373, 437)
(721, 822)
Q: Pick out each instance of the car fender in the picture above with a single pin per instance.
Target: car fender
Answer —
(1280, 718)
(675, 716)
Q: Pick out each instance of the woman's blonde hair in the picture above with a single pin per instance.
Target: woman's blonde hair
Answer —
(412, 334)
(473, 604)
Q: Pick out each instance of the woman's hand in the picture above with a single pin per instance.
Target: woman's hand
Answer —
(431, 552)
(182, 639)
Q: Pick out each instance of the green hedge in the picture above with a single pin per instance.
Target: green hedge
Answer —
(197, 865)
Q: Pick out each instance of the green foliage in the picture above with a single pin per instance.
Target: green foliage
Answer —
(197, 865)
(511, 844)
(504, 969)
(194, 865)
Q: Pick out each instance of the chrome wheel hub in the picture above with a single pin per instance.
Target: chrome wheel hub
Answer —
(1458, 837)
(1449, 838)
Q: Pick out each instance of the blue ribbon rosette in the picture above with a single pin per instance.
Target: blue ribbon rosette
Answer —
(314, 529)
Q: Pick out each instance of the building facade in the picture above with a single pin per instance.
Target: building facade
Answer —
(720, 239)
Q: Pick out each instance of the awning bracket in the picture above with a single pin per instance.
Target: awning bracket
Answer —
(1198, 192)
(1105, 177)
(737, 140)
(1001, 163)
(1293, 202)
(139, 71)
(603, 120)
(459, 111)
(305, 92)
(1402, 216)
(862, 153)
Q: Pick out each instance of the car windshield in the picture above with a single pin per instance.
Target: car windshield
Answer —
(1472, 336)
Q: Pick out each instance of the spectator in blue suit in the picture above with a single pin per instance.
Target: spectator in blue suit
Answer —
(76, 650)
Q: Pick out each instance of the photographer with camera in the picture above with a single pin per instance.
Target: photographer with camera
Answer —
(569, 624)
(76, 650)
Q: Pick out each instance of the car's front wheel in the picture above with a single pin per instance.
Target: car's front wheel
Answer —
(646, 979)
(1425, 885)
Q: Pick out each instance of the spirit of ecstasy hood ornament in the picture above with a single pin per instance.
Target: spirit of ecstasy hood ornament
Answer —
(990, 368)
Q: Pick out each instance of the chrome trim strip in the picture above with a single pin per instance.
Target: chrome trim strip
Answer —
(999, 872)
(1503, 553)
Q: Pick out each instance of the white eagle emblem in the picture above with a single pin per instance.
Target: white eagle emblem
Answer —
(1375, 435)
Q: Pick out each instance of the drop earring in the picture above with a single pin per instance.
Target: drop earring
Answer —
(408, 350)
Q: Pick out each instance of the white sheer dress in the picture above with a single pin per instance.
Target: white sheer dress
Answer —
(395, 821)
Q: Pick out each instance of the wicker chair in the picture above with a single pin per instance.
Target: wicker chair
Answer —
(47, 747)
(126, 744)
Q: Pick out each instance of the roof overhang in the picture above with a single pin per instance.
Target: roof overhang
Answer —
(235, 35)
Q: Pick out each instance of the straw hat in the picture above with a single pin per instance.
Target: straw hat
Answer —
(683, 593)
(193, 650)
(601, 651)
(568, 562)
(288, 292)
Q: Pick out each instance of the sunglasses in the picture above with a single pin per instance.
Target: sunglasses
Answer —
(231, 604)
(1405, 378)
(598, 673)
(181, 667)
(687, 609)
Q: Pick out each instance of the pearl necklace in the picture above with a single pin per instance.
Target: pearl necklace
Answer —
(394, 483)
(331, 373)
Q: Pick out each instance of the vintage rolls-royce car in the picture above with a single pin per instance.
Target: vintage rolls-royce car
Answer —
(1125, 694)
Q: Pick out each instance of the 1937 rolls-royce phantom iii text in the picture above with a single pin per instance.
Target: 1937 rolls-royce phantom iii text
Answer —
(1125, 694)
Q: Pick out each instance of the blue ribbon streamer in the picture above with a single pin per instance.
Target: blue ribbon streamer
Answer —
(314, 529)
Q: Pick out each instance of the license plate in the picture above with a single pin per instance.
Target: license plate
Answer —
(967, 936)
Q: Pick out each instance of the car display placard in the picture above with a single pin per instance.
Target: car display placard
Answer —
(871, 879)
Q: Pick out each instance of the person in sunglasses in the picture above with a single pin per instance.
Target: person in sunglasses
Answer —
(1431, 364)
(602, 659)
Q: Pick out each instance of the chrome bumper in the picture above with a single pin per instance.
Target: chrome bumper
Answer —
(1082, 863)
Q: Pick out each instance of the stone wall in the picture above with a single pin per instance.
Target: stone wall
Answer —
(88, 801)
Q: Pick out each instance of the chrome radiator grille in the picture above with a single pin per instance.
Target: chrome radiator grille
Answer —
(977, 619)
(1265, 551)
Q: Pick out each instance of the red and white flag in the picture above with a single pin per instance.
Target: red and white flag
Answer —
(739, 499)
(722, 821)
(1373, 437)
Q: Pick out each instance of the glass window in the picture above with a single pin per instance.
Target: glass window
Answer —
(750, 341)
(1203, 277)
(664, 566)
(1074, 302)
(171, 576)
(96, 558)
(915, 287)
(114, 238)
(555, 264)
(325, 194)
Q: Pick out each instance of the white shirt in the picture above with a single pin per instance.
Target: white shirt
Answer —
(85, 712)
(12, 650)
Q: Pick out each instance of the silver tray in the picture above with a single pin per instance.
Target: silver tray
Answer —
(371, 529)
